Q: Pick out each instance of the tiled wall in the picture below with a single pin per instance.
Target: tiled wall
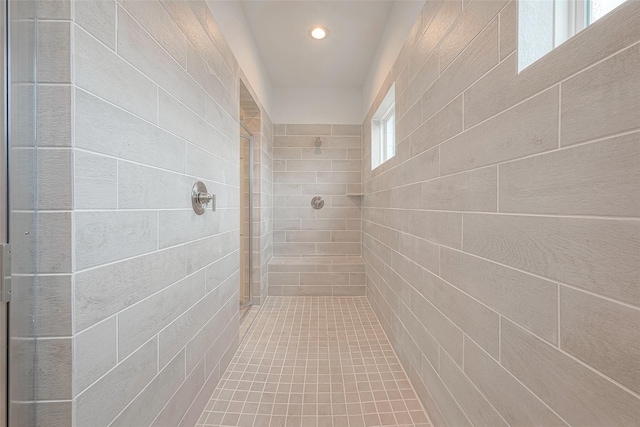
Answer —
(301, 171)
(264, 198)
(152, 288)
(502, 242)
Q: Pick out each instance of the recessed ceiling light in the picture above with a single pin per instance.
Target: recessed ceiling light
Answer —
(318, 32)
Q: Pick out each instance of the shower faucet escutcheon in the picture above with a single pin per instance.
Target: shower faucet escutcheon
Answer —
(200, 198)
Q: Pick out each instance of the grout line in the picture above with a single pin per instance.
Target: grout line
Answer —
(560, 115)
(559, 338)
(498, 189)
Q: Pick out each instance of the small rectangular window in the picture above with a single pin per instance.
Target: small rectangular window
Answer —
(383, 130)
(543, 25)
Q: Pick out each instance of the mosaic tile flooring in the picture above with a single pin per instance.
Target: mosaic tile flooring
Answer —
(316, 362)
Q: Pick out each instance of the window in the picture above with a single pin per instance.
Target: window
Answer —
(545, 24)
(383, 130)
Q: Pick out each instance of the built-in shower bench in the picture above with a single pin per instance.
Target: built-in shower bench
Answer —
(316, 276)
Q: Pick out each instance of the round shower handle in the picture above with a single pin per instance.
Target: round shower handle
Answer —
(317, 202)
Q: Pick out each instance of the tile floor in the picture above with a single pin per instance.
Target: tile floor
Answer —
(314, 361)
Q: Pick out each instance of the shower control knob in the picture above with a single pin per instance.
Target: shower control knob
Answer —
(200, 198)
(317, 202)
(206, 198)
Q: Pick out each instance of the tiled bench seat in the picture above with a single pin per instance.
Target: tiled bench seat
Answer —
(316, 276)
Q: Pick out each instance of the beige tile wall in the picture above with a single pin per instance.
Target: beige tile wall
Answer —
(502, 242)
(301, 171)
(143, 291)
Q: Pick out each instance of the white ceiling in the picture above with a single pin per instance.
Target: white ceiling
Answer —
(286, 68)
(293, 59)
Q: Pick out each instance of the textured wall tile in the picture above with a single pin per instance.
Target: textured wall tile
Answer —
(308, 129)
(307, 291)
(103, 237)
(439, 19)
(423, 80)
(308, 142)
(530, 301)
(607, 262)
(309, 165)
(221, 270)
(294, 178)
(101, 72)
(98, 18)
(180, 120)
(203, 74)
(447, 334)
(445, 401)
(221, 120)
(325, 279)
(193, 25)
(472, 20)
(477, 58)
(308, 236)
(595, 179)
(314, 153)
(140, 322)
(141, 187)
(180, 402)
(346, 165)
(209, 334)
(54, 52)
(508, 29)
(589, 324)
(155, 19)
(343, 130)
(56, 413)
(516, 404)
(54, 369)
(324, 189)
(95, 181)
(103, 128)
(505, 136)
(473, 318)
(342, 213)
(348, 291)
(138, 48)
(408, 123)
(470, 399)
(470, 191)
(54, 115)
(574, 391)
(95, 353)
(54, 9)
(338, 249)
(130, 281)
(315, 224)
(118, 387)
(503, 86)
(55, 175)
(54, 242)
(338, 177)
(443, 125)
(177, 227)
(602, 100)
(175, 337)
(144, 408)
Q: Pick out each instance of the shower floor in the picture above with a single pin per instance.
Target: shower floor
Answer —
(314, 361)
